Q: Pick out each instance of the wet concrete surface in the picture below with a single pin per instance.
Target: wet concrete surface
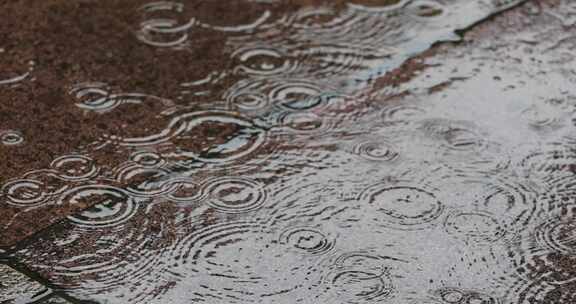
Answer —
(361, 151)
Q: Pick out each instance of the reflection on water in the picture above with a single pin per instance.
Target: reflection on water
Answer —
(270, 151)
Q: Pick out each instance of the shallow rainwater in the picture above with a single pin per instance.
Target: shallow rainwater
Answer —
(303, 151)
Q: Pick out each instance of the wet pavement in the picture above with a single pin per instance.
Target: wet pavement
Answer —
(298, 151)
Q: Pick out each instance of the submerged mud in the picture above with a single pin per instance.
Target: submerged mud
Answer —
(361, 151)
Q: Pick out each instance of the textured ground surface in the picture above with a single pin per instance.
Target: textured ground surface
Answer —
(297, 151)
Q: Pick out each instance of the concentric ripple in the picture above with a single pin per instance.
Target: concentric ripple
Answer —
(75, 167)
(225, 260)
(146, 182)
(261, 62)
(97, 96)
(184, 190)
(544, 292)
(362, 277)
(297, 96)
(87, 195)
(545, 253)
(248, 96)
(558, 235)
(24, 192)
(551, 158)
(513, 198)
(307, 240)
(401, 114)
(546, 116)
(94, 96)
(11, 138)
(304, 123)
(378, 5)
(451, 295)
(161, 31)
(402, 207)
(455, 136)
(211, 137)
(235, 194)
(476, 227)
(52, 183)
(148, 159)
(425, 9)
(116, 210)
(355, 286)
(380, 150)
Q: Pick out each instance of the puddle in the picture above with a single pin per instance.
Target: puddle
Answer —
(267, 151)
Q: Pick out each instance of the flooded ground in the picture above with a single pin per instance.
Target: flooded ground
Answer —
(288, 151)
